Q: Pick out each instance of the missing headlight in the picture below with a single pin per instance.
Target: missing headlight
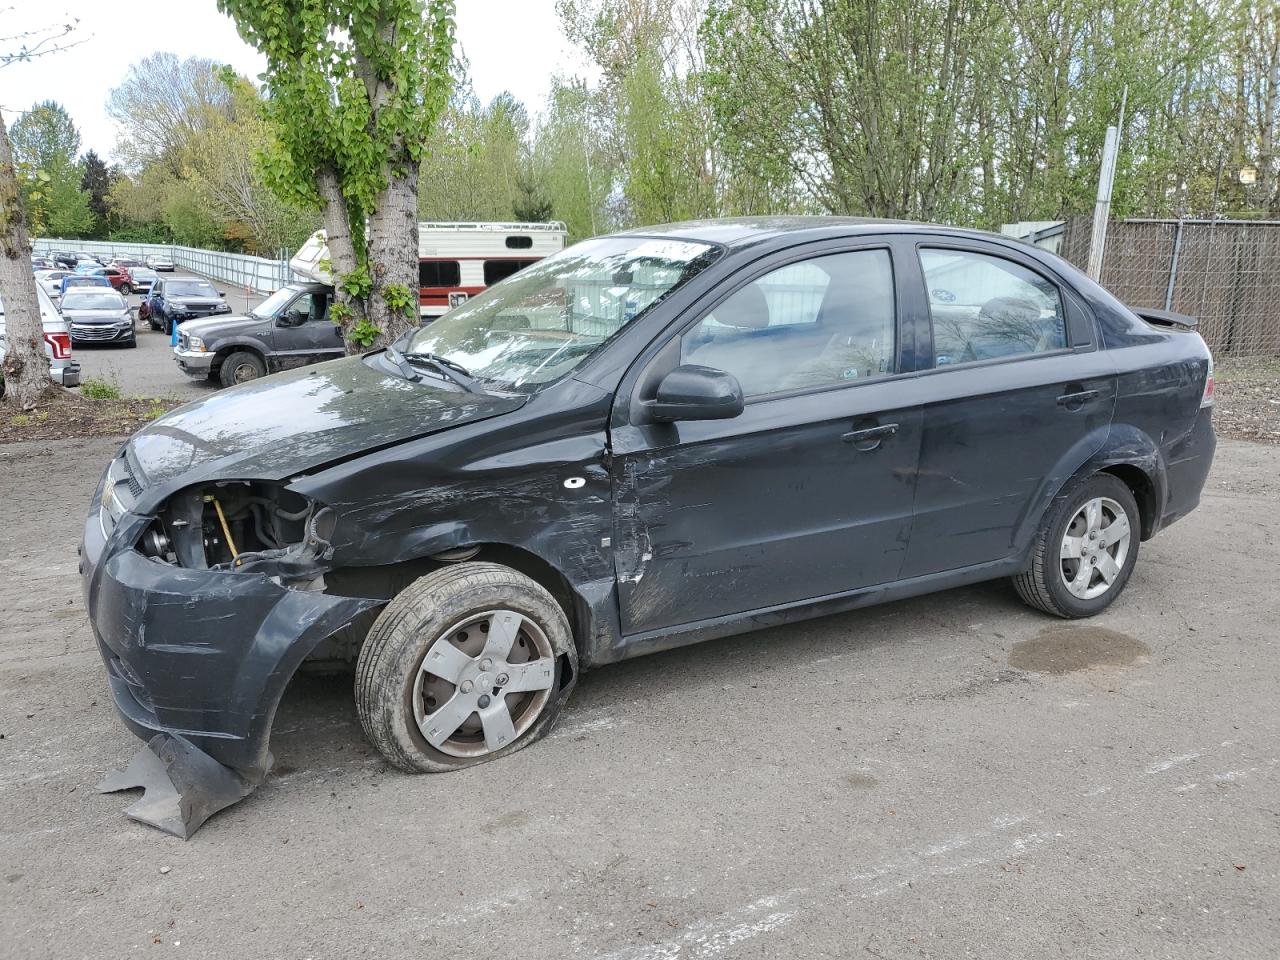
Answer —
(241, 525)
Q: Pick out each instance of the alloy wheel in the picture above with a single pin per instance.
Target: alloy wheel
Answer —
(483, 683)
(1094, 548)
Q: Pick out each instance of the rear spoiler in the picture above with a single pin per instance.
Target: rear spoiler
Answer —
(1166, 318)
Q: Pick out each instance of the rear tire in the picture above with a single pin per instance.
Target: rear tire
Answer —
(125, 289)
(241, 367)
(1085, 550)
(499, 645)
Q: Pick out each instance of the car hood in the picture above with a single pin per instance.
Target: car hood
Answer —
(111, 315)
(222, 323)
(300, 419)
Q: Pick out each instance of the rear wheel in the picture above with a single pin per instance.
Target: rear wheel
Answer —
(241, 367)
(465, 665)
(1085, 549)
(125, 289)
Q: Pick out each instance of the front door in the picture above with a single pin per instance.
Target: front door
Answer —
(307, 334)
(1017, 390)
(808, 492)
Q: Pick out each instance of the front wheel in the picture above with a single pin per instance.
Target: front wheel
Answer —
(125, 289)
(241, 367)
(1085, 549)
(468, 663)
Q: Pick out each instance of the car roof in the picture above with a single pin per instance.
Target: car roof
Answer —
(750, 231)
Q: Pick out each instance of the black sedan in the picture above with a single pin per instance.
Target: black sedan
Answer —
(647, 440)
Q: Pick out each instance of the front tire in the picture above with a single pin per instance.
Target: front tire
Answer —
(1085, 549)
(125, 289)
(465, 665)
(241, 367)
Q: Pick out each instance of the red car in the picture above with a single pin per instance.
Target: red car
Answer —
(119, 278)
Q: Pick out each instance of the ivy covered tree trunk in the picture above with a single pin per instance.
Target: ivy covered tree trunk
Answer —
(26, 367)
(393, 257)
(347, 310)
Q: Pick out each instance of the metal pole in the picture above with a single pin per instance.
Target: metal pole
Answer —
(1173, 266)
(1102, 209)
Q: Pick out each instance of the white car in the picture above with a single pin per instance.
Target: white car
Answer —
(144, 278)
(57, 343)
(163, 264)
(50, 281)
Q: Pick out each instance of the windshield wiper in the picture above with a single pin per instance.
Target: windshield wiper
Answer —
(451, 369)
(403, 365)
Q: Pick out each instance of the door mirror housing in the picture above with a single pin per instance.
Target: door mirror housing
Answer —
(693, 392)
(292, 318)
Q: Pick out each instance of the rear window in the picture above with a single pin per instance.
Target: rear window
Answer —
(496, 270)
(439, 273)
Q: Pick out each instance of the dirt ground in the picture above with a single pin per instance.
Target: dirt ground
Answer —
(949, 776)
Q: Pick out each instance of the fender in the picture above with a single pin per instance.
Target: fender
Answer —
(1118, 444)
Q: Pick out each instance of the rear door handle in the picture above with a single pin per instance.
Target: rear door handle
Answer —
(1077, 398)
(870, 438)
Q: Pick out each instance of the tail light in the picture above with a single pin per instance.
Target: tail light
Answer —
(61, 344)
(1206, 399)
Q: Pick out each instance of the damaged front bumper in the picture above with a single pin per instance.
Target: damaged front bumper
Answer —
(197, 661)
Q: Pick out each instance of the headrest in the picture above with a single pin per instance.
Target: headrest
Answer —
(747, 309)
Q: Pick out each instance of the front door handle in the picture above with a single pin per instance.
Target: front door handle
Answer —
(1075, 399)
(870, 438)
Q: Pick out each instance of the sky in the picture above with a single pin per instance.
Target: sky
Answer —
(512, 45)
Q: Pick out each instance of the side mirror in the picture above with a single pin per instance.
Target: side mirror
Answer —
(222, 294)
(692, 392)
(293, 318)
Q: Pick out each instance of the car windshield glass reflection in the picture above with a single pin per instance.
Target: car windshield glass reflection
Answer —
(540, 324)
(92, 301)
(271, 306)
(190, 288)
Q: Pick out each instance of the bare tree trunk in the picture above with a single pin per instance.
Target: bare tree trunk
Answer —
(26, 367)
(342, 253)
(393, 254)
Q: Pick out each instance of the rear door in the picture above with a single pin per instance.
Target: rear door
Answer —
(1016, 389)
(808, 492)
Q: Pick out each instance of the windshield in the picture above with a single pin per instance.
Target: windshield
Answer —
(189, 288)
(271, 306)
(541, 323)
(92, 301)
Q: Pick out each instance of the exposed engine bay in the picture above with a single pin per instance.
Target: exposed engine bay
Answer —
(243, 526)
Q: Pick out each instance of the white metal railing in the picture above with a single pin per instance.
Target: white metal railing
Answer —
(256, 274)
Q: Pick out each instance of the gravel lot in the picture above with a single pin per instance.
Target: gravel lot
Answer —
(949, 776)
(149, 370)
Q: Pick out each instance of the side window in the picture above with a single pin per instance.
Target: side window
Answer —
(985, 307)
(439, 273)
(496, 270)
(819, 322)
(304, 305)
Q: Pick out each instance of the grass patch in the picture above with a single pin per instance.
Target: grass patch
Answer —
(92, 388)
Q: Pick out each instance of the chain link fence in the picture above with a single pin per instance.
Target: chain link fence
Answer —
(253, 274)
(1225, 273)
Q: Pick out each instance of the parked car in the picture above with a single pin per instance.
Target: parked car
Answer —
(143, 279)
(82, 280)
(125, 263)
(180, 299)
(160, 263)
(647, 440)
(82, 256)
(291, 328)
(64, 259)
(98, 316)
(51, 282)
(41, 263)
(87, 266)
(118, 277)
(63, 370)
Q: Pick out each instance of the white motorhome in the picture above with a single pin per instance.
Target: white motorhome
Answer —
(455, 260)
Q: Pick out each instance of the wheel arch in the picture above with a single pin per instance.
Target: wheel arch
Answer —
(1122, 450)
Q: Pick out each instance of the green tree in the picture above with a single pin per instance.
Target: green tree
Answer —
(95, 181)
(354, 89)
(45, 142)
